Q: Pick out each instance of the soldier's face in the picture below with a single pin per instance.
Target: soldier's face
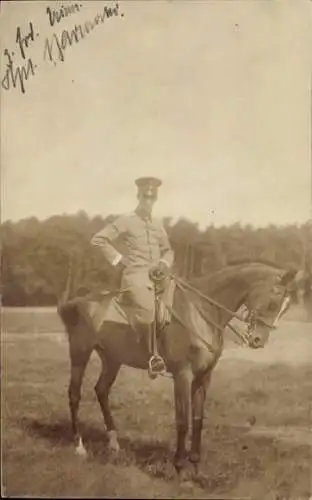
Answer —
(146, 203)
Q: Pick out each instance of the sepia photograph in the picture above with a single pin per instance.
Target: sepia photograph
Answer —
(156, 249)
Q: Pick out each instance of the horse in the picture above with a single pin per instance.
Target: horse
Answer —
(191, 343)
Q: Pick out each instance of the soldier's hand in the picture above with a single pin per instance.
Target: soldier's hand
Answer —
(159, 272)
(163, 268)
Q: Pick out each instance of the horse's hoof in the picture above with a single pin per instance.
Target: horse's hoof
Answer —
(80, 449)
(186, 484)
(81, 452)
(113, 444)
(114, 447)
(186, 478)
(184, 471)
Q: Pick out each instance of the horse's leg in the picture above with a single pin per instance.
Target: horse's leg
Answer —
(182, 393)
(79, 361)
(199, 388)
(106, 379)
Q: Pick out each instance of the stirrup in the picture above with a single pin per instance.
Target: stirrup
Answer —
(156, 366)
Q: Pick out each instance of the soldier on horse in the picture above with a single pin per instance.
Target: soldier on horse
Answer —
(193, 342)
(148, 256)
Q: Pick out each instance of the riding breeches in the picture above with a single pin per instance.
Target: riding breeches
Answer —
(139, 296)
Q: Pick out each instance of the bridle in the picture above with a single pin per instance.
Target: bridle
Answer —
(250, 320)
(254, 318)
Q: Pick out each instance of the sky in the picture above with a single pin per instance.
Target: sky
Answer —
(212, 97)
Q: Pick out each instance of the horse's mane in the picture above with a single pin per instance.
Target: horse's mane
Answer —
(266, 262)
(231, 267)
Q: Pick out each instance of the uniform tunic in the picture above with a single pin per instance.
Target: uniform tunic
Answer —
(147, 244)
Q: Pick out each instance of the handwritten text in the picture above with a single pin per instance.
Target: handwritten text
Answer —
(24, 41)
(57, 15)
(20, 66)
(55, 46)
(17, 74)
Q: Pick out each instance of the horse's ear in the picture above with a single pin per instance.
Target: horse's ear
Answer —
(288, 277)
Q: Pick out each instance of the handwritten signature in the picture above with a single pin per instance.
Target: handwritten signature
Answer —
(54, 47)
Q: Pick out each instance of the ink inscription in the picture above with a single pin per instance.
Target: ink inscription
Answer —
(20, 67)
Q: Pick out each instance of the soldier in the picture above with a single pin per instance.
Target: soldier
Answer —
(148, 250)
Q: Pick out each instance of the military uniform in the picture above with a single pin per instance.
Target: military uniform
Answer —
(147, 244)
(147, 249)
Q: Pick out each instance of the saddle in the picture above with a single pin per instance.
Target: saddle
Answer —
(107, 305)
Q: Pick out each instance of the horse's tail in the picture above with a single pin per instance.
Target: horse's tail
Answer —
(67, 308)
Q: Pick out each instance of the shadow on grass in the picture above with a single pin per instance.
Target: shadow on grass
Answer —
(58, 433)
(232, 453)
(153, 457)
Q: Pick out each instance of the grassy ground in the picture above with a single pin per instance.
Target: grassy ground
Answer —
(268, 460)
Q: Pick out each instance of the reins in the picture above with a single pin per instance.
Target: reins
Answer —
(185, 285)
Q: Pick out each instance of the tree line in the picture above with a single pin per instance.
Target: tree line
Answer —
(36, 254)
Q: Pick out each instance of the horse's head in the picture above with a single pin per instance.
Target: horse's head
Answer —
(266, 303)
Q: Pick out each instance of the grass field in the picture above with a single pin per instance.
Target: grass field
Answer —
(270, 460)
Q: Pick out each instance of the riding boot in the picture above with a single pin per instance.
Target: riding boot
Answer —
(156, 364)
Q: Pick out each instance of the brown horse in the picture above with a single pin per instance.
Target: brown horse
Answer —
(191, 345)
